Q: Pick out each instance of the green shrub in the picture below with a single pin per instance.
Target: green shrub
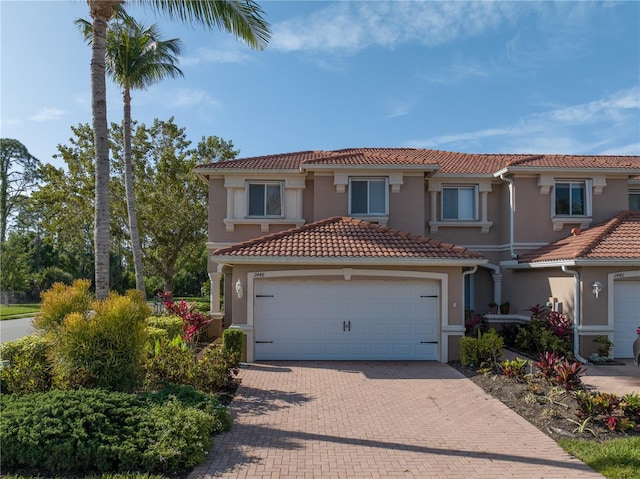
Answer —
(174, 362)
(216, 370)
(106, 349)
(232, 340)
(28, 369)
(65, 431)
(170, 361)
(189, 396)
(171, 324)
(93, 430)
(486, 349)
(60, 301)
(546, 331)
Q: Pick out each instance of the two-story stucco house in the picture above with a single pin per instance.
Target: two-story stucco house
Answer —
(378, 253)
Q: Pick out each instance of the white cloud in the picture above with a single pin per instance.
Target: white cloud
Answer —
(210, 55)
(353, 26)
(458, 72)
(592, 127)
(398, 109)
(192, 97)
(48, 114)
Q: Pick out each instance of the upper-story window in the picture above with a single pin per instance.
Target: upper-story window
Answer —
(368, 196)
(264, 199)
(572, 198)
(634, 200)
(459, 202)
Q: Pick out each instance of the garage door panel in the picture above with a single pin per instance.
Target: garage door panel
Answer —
(626, 317)
(357, 319)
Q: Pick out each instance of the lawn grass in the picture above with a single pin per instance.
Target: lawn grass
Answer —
(13, 311)
(614, 459)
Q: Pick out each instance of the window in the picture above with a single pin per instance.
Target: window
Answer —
(571, 198)
(634, 200)
(459, 203)
(368, 196)
(265, 199)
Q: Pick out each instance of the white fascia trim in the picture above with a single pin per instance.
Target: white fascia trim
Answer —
(296, 260)
(214, 245)
(567, 172)
(574, 262)
(501, 247)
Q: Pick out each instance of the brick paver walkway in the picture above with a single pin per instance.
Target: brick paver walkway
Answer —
(377, 420)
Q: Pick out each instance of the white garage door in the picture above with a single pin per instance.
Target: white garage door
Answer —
(387, 319)
(626, 317)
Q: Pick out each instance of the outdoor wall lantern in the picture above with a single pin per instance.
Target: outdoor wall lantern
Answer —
(239, 289)
(597, 288)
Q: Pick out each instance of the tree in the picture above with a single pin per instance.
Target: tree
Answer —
(18, 174)
(172, 200)
(136, 58)
(243, 18)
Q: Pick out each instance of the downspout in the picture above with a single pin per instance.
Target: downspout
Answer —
(576, 312)
(512, 208)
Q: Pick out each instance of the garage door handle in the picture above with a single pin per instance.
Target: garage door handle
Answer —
(346, 326)
(264, 342)
(428, 342)
(428, 295)
(264, 296)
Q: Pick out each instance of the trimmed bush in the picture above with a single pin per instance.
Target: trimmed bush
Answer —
(172, 325)
(232, 340)
(28, 370)
(92, 430)
(483, 350)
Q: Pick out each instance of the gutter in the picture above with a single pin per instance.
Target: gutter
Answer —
(512, 207)
(576, 312)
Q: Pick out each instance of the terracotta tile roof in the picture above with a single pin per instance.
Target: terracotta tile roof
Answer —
(577, 161)
(616, 238)
(445, 162)
(343, 237)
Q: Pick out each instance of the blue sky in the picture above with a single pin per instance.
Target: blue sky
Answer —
(485, 77)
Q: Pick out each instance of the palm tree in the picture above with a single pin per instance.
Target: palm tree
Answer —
(242, 18)
(136, 58)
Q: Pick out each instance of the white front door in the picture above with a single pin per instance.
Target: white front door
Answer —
(385, 319)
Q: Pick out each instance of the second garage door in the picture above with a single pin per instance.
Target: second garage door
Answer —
(626, 317)
(386, 319)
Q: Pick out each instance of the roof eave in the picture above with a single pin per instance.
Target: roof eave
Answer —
(568, 169)
(303, 260)
(514, 264)
(245, 171)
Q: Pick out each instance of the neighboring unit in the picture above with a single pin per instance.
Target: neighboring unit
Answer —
(378, 253)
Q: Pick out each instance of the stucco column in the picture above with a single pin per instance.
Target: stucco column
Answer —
(214, 294)
(497, 288)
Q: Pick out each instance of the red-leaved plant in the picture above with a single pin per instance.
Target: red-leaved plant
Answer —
(568, 374)
(547, 364)
(193, 322)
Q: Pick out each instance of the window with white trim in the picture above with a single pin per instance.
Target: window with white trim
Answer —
(368, 196)
(264, 199)
(634, 200)
(459, 203)
(572, 198)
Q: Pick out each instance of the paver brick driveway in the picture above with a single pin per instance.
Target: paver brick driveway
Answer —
(377, 420)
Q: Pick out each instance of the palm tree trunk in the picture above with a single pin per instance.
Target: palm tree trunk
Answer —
(100, 12)
(128, 186)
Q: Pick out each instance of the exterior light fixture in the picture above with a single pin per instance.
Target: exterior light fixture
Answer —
(239, 289)
(597, 288)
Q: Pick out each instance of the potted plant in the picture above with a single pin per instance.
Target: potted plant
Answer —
(604, 345)
(493, 307)
(505, 307)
